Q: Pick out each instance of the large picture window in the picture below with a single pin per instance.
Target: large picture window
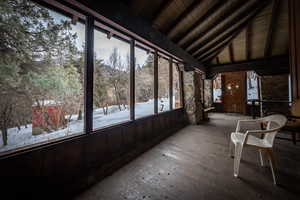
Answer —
(41, 79)
(176, 87)
(144, 83)
(163, 85)
(111, 80)
(252, 86)
(217, 89)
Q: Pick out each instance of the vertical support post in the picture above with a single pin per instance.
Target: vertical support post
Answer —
(171, 83)
(202, 87)
(252, 109)
(294, 32)
(211, 92)
(132, 79)
(260, 98)
(155, 82)
(89, 74)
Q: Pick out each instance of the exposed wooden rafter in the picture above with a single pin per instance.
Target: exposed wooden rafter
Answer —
(236, 20)
(190, 9)
(228, 18)
(229, 36)
(280, 64)
(248, 44)
(213, 52)
(165, 5)
(269, 39)
(211, 11)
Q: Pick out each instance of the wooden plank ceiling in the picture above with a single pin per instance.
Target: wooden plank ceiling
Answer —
(220, 31)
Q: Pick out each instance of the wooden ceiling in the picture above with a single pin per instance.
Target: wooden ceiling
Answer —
(220, 31)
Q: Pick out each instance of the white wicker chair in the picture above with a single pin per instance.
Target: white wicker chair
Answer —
(274, 124)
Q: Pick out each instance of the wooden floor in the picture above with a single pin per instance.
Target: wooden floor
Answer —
(194, 164)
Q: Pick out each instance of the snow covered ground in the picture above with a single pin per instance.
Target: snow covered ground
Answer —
(252, 93)
(23, 137)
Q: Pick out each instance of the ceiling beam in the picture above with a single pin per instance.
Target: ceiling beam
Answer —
(176, 21)
(232, 34)
(117, 15)
(213, 52)
(210, 12)
(248, 42)
(164, 6)
(228, 18)
(238, 20)
(231, 53)
(266, 66)
(274, 15)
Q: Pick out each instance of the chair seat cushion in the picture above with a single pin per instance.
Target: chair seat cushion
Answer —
(237, 137)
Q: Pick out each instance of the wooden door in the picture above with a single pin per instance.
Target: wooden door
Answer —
(234, 92)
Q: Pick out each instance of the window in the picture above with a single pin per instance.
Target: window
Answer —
(111, 80)
(163, 84)
(207, 93)
(217, 89)
(144, 83)
(41, 80)
(42, 76)
(252, 86)
(176, 87)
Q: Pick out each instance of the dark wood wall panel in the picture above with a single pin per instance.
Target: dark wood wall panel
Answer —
(96, 150)
(69, 165)
(294, 31)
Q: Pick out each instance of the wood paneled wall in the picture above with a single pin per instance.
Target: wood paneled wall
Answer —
(66, 167)
(294, 33)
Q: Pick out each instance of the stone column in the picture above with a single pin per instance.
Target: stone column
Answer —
(193, 97)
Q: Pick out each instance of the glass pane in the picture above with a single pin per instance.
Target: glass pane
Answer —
(163, 85)
(41, 79)
(176, 87)
(144, 83)
(252, 85)
(217, 89)
(111, 81)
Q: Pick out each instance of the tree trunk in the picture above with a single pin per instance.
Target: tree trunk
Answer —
(79, 115)
(4, 136)
(105, 109)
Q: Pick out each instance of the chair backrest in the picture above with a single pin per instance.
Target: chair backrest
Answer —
(275, 123)
(295, 110)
